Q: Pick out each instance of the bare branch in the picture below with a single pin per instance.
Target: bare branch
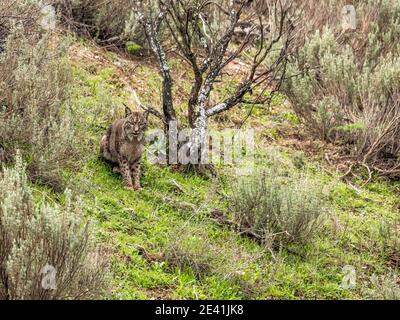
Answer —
(150, 109)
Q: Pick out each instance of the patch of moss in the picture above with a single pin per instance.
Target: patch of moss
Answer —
(133, 47)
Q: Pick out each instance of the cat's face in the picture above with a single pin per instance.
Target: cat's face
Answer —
(135, 125)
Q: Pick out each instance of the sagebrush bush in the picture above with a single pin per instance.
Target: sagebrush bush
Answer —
(192, 251)
(35, 236)
(16, 12)
(383, 287)
(344, 84)
(193, 248)
(34, 95)
(280, 209)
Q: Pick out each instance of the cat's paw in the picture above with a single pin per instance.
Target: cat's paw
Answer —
(116, 170)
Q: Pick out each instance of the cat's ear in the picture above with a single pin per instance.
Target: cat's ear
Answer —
(128, 111)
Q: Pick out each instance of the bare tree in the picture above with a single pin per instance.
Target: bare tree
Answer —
(191, 24)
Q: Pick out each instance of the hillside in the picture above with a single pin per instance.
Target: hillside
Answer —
(167, 246)
(313, 212)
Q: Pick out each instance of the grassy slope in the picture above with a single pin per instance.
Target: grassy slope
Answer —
(166, 219)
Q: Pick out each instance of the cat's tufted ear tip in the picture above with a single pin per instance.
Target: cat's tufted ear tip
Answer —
(128, 111)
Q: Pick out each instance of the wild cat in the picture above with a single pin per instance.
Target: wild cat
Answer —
(123, 144)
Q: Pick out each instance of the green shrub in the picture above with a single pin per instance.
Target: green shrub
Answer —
(36, 237)
(280, 209)
(194, 252)
(14, 12)
(195, 249)
(383, 287)
(350, 79)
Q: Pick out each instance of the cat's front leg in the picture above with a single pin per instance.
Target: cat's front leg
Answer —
(135, 173)
(126, 173)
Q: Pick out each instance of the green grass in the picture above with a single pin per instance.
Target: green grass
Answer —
(151, 219)
(132, 219)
